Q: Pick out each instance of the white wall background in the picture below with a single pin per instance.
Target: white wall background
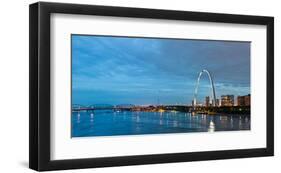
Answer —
(14, 84)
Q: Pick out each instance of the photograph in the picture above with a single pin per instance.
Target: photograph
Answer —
(124, 85)
(134, 85)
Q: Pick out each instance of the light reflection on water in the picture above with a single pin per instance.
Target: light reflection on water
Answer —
(110, 123)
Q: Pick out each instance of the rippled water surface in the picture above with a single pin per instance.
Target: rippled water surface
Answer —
(110, 123)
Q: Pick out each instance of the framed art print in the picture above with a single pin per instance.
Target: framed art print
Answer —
(114, 86)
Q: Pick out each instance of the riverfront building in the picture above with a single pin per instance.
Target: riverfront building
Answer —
(244, 100)
(207, 101)
(227, 100)
(217, 102)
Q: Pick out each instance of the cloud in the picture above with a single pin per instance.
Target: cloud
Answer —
(138, 69)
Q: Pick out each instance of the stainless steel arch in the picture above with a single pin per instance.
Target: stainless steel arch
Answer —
(212, 86)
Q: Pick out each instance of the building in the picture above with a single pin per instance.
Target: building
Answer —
(227, 100)
(217, 102)
(248, 100)
(244, 100)
(240, 101)
(207, 101)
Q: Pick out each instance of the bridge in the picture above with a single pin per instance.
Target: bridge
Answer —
(120, 107)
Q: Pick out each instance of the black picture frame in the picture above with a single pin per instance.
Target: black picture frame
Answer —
(39, 91)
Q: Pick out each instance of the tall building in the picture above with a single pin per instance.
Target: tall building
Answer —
(240, 101)
(227, 100)
(244, 100)
(248, 100)
(217, 102)
(207, 101)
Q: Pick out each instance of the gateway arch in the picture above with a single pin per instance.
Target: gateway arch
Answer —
(212, 87)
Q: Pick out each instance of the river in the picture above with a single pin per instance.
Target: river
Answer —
(110, 123)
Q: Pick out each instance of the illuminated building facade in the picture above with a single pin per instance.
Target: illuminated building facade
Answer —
(227, 100)
(244, 100)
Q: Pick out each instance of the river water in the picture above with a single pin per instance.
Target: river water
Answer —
(110, 123)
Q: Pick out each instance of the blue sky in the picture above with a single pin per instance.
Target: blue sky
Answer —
(123, 70)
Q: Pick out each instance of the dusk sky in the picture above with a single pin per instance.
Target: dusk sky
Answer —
(122, 70)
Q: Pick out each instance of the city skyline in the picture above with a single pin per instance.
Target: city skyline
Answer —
(119, 70)
(228, 100)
